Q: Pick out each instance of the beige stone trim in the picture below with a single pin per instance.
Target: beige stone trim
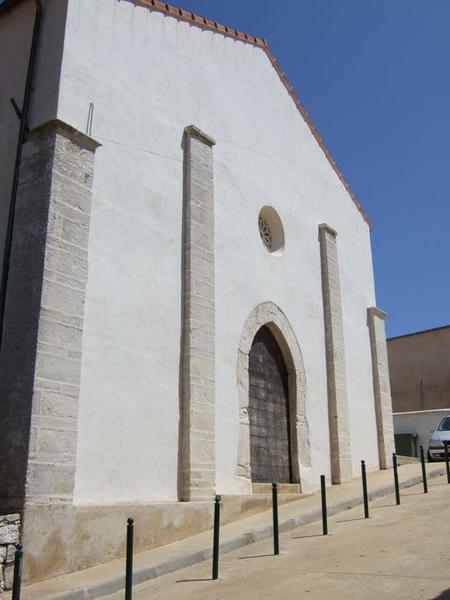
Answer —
(377, 312)
(325, 228)
(40, 364)
(80, 138)
(197, 434)
(381, 386)
(338, 417)
(193, 131)
(269, 314)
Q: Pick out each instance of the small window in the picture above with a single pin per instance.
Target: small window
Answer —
(271, 230)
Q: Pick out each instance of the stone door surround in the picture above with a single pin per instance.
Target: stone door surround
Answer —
(270, 315)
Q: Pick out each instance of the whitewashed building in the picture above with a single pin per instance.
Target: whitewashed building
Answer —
(189, 300)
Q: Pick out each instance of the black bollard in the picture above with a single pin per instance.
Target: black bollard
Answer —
(276, 533)
(424, 471)
(323, 492)
(129, 561)
(216, 537)
(446, 461)
(364, 487)
(397, 489)
(17, 578)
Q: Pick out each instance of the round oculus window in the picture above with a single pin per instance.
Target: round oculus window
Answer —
(271, 230)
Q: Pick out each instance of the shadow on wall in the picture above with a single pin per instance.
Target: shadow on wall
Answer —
(182, 334)
(445, 595)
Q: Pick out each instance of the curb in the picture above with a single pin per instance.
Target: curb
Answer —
(110, 586)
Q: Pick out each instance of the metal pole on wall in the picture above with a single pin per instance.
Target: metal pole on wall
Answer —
(216, 537)
(424, 471)
(23, 114)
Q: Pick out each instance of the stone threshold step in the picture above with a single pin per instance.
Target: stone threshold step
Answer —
(406, 460)
(283, 488)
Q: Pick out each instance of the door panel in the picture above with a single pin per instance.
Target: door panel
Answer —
(268, 411)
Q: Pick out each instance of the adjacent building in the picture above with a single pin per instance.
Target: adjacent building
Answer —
(419, 367)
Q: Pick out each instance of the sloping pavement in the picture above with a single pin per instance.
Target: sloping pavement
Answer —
(399, 553)
(107, 579)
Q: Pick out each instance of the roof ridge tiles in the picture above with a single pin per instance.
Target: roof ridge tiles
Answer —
(204, 22)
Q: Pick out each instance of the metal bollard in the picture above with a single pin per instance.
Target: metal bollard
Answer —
(129, 561)
(397, 489)
(216, 536)
(276, 533)
(323, 492)
(424, 471)
(17, 578)
(446, 461)
(364, 487)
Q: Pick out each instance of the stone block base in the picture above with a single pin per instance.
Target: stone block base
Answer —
(61, 539)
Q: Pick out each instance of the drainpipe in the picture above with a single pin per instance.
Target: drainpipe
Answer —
(23, 130)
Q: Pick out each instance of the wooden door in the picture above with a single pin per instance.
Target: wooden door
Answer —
(270, 454)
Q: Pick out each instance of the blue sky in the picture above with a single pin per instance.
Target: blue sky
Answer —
(375, 77)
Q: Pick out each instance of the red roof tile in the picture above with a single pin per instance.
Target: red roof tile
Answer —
(203, 21)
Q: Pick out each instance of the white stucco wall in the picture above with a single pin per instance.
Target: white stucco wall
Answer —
(421, 422)
(148, 76)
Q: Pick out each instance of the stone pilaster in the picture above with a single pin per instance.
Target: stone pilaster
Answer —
(40, 362)
(197, 476)
(341, 462)
(381, 386)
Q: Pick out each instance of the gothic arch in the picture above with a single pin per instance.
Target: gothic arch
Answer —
(270, 315)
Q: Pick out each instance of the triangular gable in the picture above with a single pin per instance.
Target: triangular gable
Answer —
(203, 22)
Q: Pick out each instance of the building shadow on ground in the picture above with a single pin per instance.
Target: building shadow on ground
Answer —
(193, 580)
(302, 537)
(349, 520)
(445, 595)
(255, 556)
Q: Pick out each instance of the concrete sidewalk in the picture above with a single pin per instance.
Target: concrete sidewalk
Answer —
(106, 579)
(399, 553)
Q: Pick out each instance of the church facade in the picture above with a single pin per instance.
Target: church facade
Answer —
(190, 304)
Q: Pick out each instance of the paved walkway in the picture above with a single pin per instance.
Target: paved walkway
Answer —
(107, 579)
(400, 552)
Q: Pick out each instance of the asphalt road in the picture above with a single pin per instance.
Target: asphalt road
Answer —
(400, 552)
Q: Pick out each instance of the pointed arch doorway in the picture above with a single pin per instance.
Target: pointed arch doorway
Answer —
(270, 316)
(268, 411)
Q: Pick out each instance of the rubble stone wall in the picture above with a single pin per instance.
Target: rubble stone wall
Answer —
(9, 537)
